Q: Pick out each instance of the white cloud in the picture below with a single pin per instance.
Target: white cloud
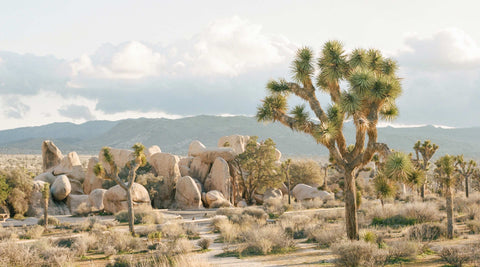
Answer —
(449, 48)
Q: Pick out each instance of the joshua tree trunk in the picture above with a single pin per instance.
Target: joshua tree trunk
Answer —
(325, 183)
(449, 198)
(45, 212)
(130, 211)
(466, 186)
(351, 205)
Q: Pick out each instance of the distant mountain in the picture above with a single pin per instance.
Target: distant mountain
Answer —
(174, 136)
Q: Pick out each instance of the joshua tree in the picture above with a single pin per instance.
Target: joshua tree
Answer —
(45, 197)
(445, 175)
(427, 149)
(370, 96)
(466, 169)
(139, 161)
(286, 170)
(384, 187)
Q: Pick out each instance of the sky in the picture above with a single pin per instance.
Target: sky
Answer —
(74, 61)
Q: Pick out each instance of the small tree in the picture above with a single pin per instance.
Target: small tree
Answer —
(398, 167)
(445, 174)
(306, 172)
(286, 171)
(384, 187)
(427, 150)
(139, 161)
(258, 167)
(46, 198)
(466, 170)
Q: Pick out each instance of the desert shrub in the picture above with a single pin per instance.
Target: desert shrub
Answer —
(92, 224)
(82, 244)
(359, 253)
(403, 250)
(325, 237)
(295, 224)
(421, 212)
(173, 230)
(369, 236)
(120, 241)
(427, 231)
(266, 239)
(20, 184)
(204, 243)
(33, 232)
(474, 227)
(191, 230)
(142, 216)
(229, 231)
(7, 233)
(257, 213)
(315, 203)
(275, 206)
(56, 256)
(51, 221)
(455, 256)
(305, 172)
(394, 221)
(330, 216)
(15, 254)
(159, 260)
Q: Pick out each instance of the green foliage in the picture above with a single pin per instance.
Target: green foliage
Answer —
(51, 221)
(258, 165)
(398, 166)
(445, 169)
(394, 221)
(305, 172)
(46, 191)
(384, 187)
(4, 190)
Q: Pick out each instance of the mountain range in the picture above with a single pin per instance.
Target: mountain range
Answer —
(174, 136)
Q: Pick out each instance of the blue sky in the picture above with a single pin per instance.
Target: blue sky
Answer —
(83, 60)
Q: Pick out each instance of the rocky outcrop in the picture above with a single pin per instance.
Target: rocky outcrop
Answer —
(91, 181)
(184, 165)
(236, 142)
(71, 167)
(187, 194)
(199, 169)
(195, 148)
(209, 155)
(219, 178)
(115, 199)
(47, 177)
(305, 192)
(51, 155)
(61, 188)
(271, 194)
(215, 199)
(95, 199)
(120, 156)
(35, 208)
(76, 202)
(152, 150)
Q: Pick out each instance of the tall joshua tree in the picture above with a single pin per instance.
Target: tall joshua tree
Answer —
(45, 197)
(427, 149)
(139, 161)
(445, 173)
(370, 95)
(466, 169)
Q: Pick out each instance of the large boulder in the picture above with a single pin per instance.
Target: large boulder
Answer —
(166, 165)
(47, 177)
(51, 155)
(152, 150)
(91, 181)
(216, 199)
(70, 166)
(35, 208)
(77, 187)
(120, 156)
(95, 199)
(199, 169)
(184, 165)
(195, 148)
(76, 202)
(61, 188)
(115, 199)
(187, 195)
(271, 194)
(305, 192)
(211, 154)
(219, 178)
(236, 142)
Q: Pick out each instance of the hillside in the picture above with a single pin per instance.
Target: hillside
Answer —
(174, 136)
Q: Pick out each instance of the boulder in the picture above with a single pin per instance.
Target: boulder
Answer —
(219, 178)
(115, 199)
(215, 199)
(35, 208)
(91, 181)
(211, 154)
(166, 165)
(70, 166)
(77, 187)
(51, 155)
(278, 154)
(271, 194)
(61, 188)
(95, 199)
(152, 150)
(76, 203)
(199, 184)
(305, 192)
(195, 148)
(199, 169)
(184, 165)
(284, 189)
(236, 142)
(187, 194)
(47, 177)
(242, 204)
(120, 156)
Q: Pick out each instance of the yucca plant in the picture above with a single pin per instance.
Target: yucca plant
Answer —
(139, 161)
(427, 149)
(369, 97)
(445, 174)
(466, 170)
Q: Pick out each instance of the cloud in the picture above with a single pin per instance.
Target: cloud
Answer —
(14, 108)
(76, 112)
(447, 49)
